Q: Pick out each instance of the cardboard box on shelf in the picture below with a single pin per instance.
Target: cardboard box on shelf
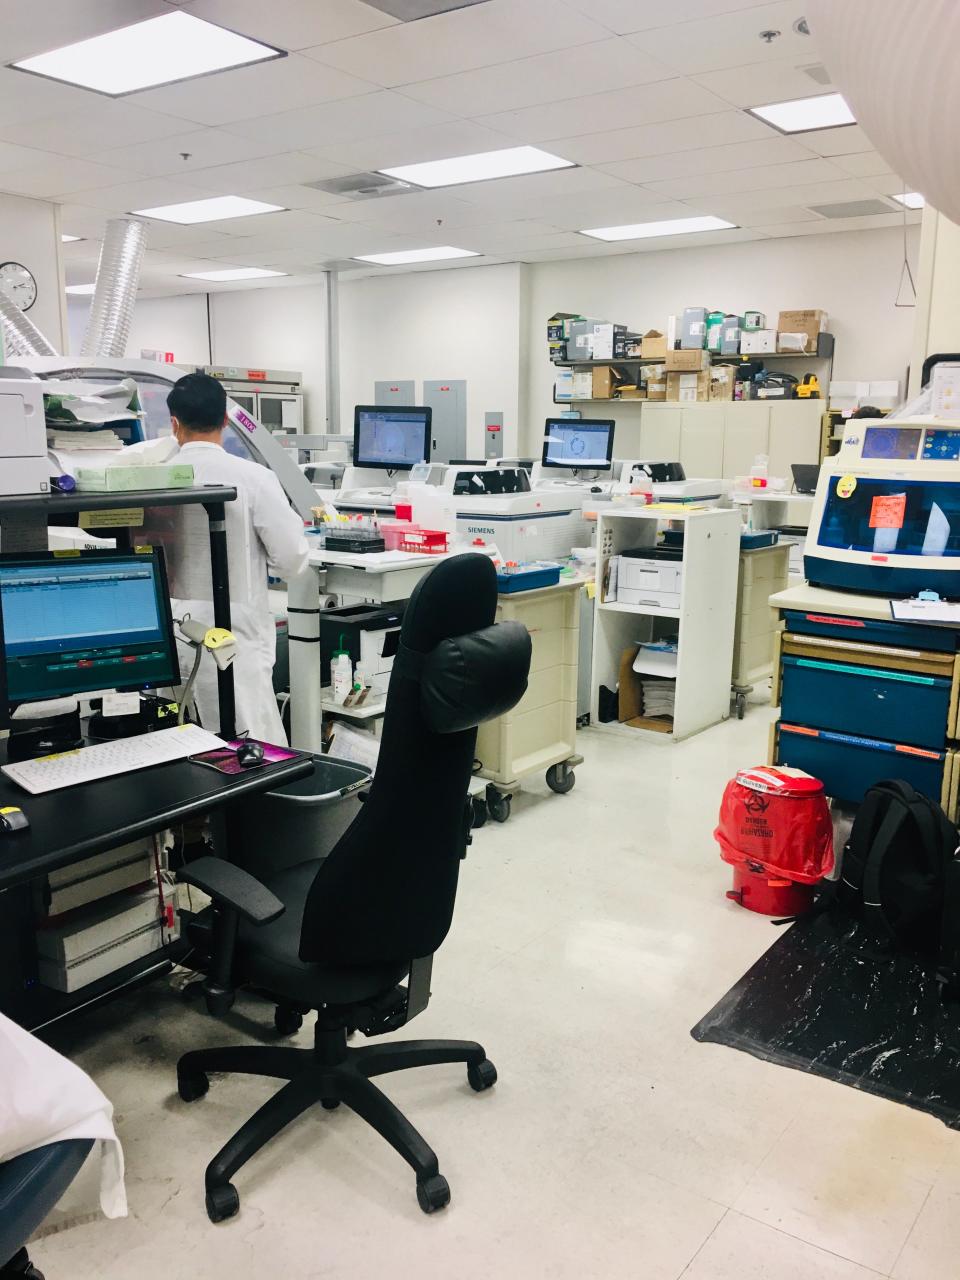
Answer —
(795, 343)
(563, 386)
(607, 338)
(722, 380)
(558, 352)
(657, 388)
(693, 328)
(753, 320)
(758, 342)
(583, 385)
(809, 322)
(688, 388)
(627, 392)
(558, 326)
(606, 379)
(687, 361)
(730, 336)
(653, 345)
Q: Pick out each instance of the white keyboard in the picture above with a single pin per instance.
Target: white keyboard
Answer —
(107, 759)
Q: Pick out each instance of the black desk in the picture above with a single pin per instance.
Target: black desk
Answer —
(26, 516)
(69, 825)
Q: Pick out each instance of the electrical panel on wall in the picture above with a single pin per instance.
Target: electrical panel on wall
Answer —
(397, 391)
(447, 397)
(493, 435)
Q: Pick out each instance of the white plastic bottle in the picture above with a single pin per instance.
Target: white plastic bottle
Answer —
(341, 673)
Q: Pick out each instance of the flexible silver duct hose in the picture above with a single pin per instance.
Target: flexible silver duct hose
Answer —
(118, 274)
(19, 336)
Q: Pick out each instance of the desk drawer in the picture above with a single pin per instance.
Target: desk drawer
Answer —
(876, 703)
(848, 766)
(871, 630)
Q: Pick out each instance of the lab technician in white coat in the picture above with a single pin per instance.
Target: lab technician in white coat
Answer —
(263, 535)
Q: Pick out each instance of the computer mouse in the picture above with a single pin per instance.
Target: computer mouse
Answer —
(595, 489)
(13, 819)
(249, 754)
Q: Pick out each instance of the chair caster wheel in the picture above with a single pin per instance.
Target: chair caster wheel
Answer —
(193, 1086)
(329, 1104)
(478, 808)
(222, 1202)
(498, 804)
(482, 1075)
(287, 1021)
(433, 1193)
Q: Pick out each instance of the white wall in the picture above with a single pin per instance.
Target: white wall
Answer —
(30, 234)
(259, 328)
(460, 323)
(937, 324)
(852, 276)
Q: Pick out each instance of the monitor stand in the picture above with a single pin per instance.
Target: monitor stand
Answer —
(154, 713)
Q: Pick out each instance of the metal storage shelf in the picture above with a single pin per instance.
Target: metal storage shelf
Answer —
(654, 610)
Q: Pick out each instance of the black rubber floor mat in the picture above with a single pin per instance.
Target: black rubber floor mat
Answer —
(823, 1001)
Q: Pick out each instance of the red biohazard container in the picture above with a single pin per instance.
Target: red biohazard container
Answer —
(776, 833)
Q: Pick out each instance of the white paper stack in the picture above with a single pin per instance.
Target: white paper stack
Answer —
(658, 697)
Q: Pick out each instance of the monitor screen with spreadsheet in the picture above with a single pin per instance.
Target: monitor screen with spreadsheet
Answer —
(391, 437)
(76, 623)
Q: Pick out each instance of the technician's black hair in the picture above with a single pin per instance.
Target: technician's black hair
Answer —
(866, 411)
(198, 402)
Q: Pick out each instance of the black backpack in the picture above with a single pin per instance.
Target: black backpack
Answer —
(901, 876)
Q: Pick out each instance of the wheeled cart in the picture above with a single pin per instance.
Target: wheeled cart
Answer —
(540, 732)
(763, 571)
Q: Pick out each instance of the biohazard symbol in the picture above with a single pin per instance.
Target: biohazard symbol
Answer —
(756, 802)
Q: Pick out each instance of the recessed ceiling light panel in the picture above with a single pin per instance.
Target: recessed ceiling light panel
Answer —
(479, 168)
(803, 115)
(669, 227)
(912, 199)
(162, 50)
(81, 288)
(232, 273)
(214, 209)
(64, 239)
(438, 254)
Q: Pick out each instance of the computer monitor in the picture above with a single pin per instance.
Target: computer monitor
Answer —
(76, 623)
(584, 445)
(391, 437)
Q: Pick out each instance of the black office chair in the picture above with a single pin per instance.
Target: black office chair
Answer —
(30, 1186)
(339, 936)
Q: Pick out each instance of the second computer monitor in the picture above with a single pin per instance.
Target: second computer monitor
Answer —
(76, 624)
(578, 444)
(391, 437)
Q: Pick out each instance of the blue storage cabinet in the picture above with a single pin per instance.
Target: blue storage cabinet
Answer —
(848, 765)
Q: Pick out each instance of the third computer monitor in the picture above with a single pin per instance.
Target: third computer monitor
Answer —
(578, 444)
(391, 437)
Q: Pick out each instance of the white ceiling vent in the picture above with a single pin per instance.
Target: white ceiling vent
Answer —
(852, 209)
(364, 186)
(818, 72)
(412, 10)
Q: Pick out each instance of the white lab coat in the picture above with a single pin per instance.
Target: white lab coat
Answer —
(263, 535)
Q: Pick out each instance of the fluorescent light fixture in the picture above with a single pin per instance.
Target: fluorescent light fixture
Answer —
(439, 254)
(669, 227)
(163, 50)
(214, 209)
(81, 288)
(69, 239)
(232, 273)
(479, 168)
(801, 115)
(912, 199)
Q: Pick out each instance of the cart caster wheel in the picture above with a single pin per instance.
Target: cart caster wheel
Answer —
(741, 705)
(482, 1075)
(287, 1021)
(498, 804)
(192, 1087)
(478, 808)
(222, 1202)
(329, 1104)
(192, 991)
(433, 1193)
(561, 778)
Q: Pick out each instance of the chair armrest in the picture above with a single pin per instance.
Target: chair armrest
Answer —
(233, 887)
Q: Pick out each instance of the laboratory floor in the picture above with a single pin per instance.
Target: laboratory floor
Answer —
(591, 933)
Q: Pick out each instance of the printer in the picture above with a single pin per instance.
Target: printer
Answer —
(370, 634)
(886, 514)
(24, 466)
(668, 481)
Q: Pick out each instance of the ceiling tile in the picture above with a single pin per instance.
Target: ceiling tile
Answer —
(422, 212)
(56, 175)
(761, 82)
(24, 97)
(141, 193)
(435, 142)
(284, 84)
(827, 226)
(720, 40)
(88, 132)
(246, 175)
(14, 158)
(294, 196)
(593, 68)
(738, 155)
(767, 177)
(29, 28)
(615, 208)
(558, 184)
(460, 41)
(478, 239)
(729, 206)
(624, 16)
(284, 226)
(659, 139)
(291, 24)
(351, 119)
(865, 164)
(205, 147)
(836, 142)
(749, 216)
(666, 100)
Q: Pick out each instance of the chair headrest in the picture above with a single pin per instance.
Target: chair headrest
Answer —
(476, 677)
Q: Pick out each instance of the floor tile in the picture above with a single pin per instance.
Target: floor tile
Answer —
(741, 1249)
